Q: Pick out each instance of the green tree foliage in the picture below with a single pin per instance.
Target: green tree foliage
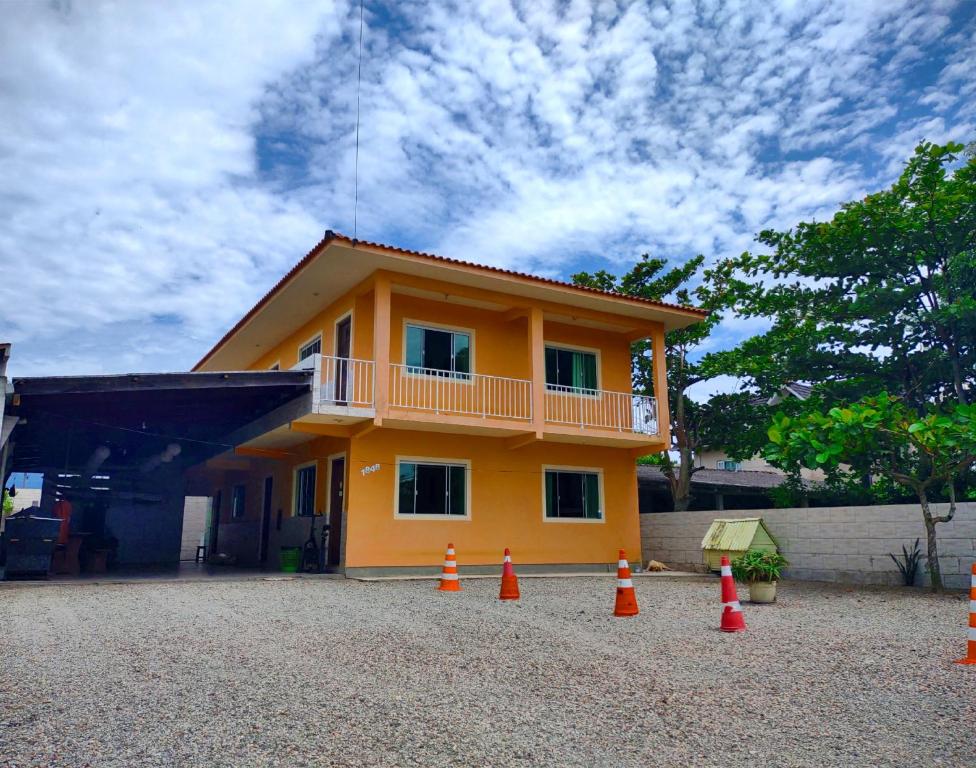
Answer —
(8, 503)
(880, 298)
(881, 436)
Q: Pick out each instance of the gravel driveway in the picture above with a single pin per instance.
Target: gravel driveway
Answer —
(330, 672)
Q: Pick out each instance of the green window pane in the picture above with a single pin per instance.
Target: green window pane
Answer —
(589, 370)
(552, 368)
(456, 500)
(591, 483)
(431, 484)
(552, 507)
(407, 477)
(462, 353)
(415, 346)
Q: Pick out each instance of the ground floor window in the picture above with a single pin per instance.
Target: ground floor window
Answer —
(428, 488)
(305, 491)
(573, 494)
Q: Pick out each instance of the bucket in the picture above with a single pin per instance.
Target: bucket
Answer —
(289, 559)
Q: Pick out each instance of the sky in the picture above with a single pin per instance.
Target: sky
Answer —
(163, 164)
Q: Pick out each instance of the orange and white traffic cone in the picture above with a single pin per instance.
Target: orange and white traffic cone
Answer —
(971, 637)
(510, 590)
(626, 604)
(449, 572)
(732, 618)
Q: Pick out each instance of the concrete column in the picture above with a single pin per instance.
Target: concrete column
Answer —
(381, 346)
(659, 361)
(537, 368)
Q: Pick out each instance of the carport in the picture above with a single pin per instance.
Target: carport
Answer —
(118, 447)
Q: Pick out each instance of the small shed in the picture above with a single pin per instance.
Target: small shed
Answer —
(733, 538)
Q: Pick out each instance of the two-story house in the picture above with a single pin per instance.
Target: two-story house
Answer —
(451, 402)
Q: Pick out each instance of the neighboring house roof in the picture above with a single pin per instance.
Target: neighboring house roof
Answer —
(790, 389)
(332, 237)
(742, 479)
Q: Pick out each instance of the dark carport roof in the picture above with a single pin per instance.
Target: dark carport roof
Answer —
(135, 415)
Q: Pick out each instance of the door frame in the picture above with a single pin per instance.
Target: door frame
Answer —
(264, 531)
(328, 495)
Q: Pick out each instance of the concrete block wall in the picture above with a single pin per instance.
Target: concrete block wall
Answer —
(842, 544)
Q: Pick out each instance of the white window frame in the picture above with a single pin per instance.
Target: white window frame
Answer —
(598, 471)
(722, 464)
(465, 377)
(233, 501)
(595, 351)
(294, 487)
(438, 461)
(311, 340)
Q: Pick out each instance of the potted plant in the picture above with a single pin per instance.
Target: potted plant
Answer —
(760, 570)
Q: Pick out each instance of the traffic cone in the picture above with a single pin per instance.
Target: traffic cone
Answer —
(971, 637)
(449, 573)
(626, 604)
(510, 590)
(732, 618)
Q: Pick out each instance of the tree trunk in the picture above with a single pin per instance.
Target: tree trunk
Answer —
(681, 488)
(935, 573)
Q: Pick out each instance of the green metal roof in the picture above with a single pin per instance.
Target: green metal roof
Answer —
(734, 535)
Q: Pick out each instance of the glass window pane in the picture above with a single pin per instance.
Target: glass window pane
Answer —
(415, 346)
(437, 349)
(408, 473)
(457, 495)
(552, 506)
(312, 348)
(588, 361)
(569, 487)
(552, 376)
(564, 366)
(305, 492)
(462, 353)
(431, 496)
(591, 483)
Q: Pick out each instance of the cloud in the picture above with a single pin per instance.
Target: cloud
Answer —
(171, 161)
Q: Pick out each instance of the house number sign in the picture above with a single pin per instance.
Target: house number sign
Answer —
(370, 469)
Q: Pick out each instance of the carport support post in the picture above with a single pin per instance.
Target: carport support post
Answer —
(659, 361)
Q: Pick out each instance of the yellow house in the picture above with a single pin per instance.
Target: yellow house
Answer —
(450, 402)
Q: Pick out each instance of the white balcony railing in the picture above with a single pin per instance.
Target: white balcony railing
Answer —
(342, 381)
(460, 394)
(600, 409)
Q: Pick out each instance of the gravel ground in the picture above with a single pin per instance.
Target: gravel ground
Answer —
(336, 673)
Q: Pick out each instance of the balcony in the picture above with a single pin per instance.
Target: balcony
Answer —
(344, 391)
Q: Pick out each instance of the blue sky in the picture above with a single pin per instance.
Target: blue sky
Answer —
(164, 164)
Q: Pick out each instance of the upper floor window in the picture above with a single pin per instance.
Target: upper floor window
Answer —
(438, 351)
(314, 347)
(570, 369)
(732, 466)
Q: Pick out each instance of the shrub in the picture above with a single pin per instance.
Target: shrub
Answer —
(756, 565)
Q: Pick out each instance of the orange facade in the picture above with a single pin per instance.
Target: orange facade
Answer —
(513, 445)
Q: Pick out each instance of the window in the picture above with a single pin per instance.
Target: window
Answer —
(440, 352)
(573, 495)
(431, 489)
(305, 491)
(570, 369)
(732, 466)
(237, 502)
(314, 347)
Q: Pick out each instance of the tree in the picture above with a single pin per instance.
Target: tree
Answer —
(650, 279)
(882, 436)
(8, 504)
(880, 298)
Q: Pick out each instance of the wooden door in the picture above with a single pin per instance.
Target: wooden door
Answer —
(337, 487)
(342, 348)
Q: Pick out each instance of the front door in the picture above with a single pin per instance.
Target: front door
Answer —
(342, 348)
(265, 519)
(337, 483)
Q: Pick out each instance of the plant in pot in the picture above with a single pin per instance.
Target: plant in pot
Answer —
(760, 570)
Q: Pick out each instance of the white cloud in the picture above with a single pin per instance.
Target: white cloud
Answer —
(171, 161)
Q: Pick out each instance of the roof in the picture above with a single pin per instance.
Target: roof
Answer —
(745, 479)
(332, 237)
(734, 534)
(789, 389)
